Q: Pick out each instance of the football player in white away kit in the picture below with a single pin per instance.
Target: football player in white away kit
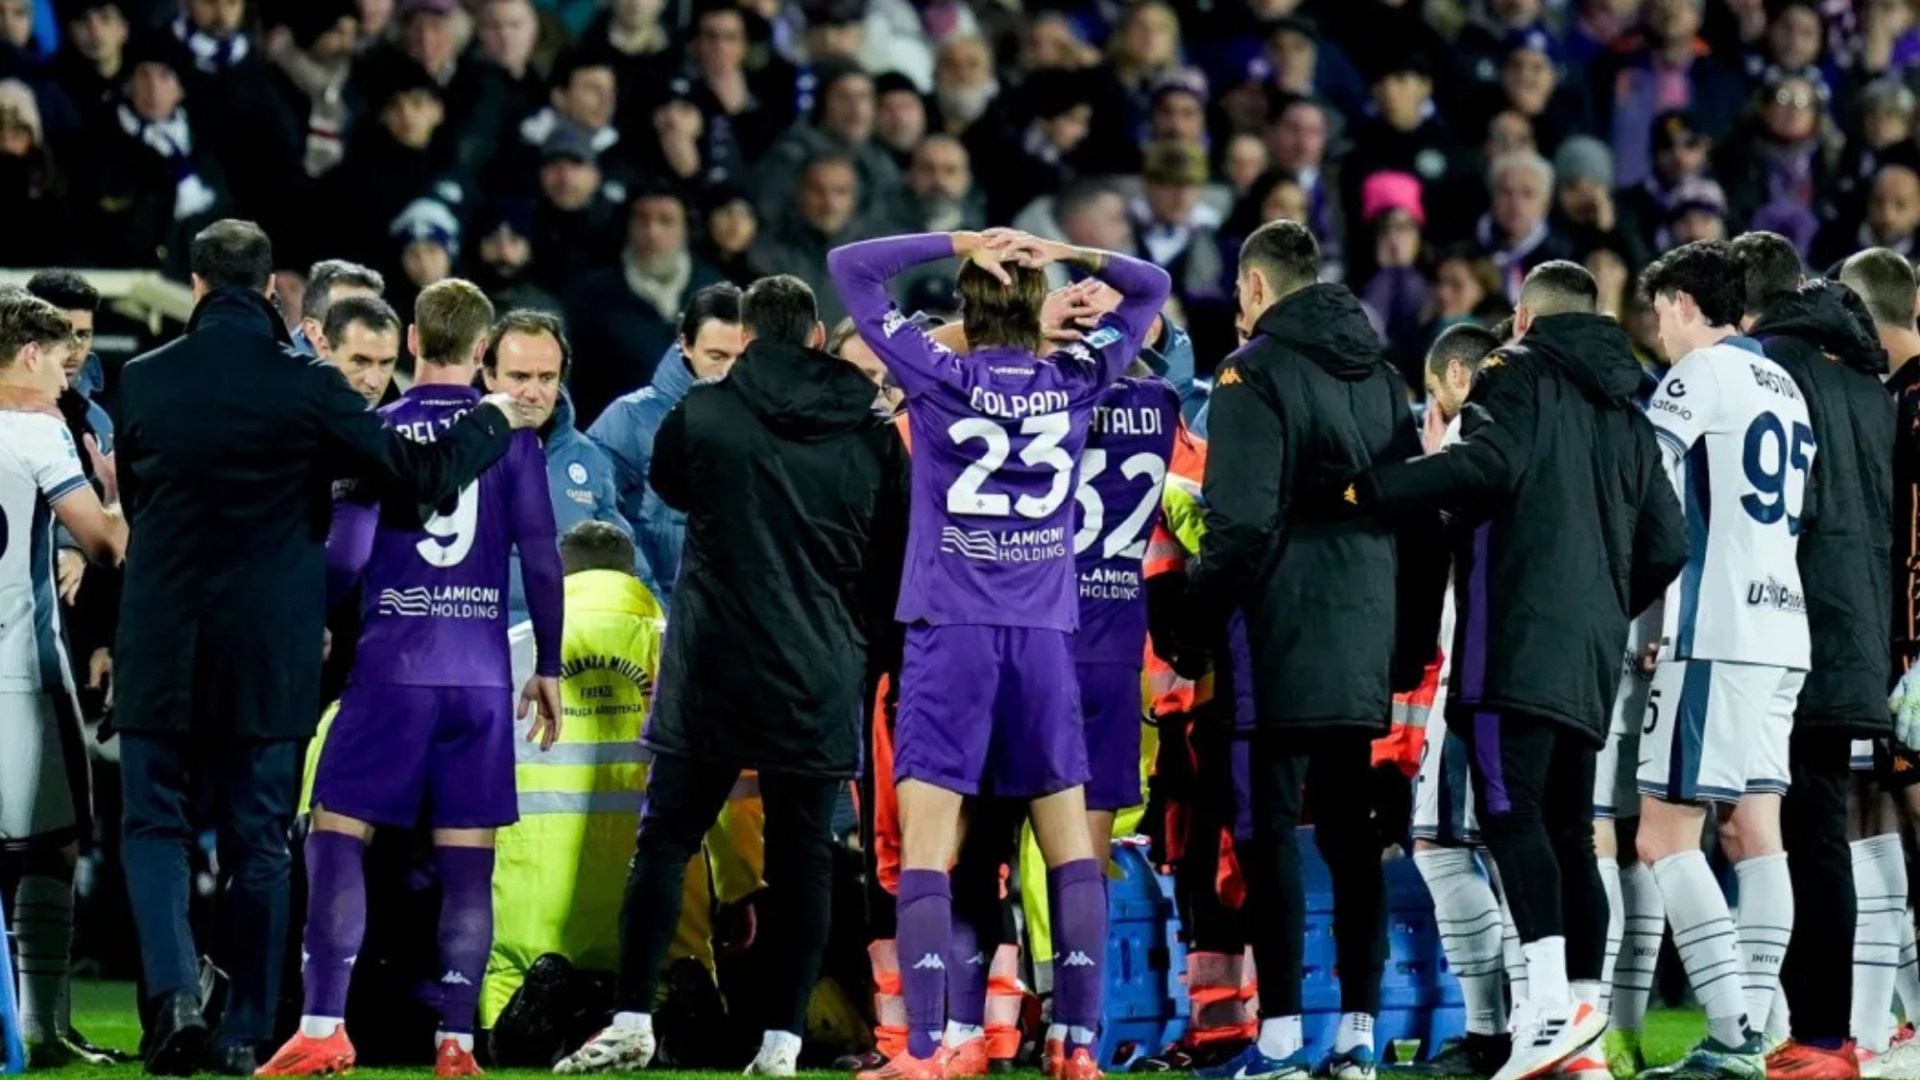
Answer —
(40, 808)
(1734, 651)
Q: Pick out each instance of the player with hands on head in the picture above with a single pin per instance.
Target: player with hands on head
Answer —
(990, 598)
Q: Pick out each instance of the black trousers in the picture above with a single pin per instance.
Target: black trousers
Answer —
(1211, 925)
(1332, 770)
(1533, 792)
(249, 788)
(684, 798)
(1818, 974)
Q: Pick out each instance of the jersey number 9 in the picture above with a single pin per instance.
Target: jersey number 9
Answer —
(450, 536)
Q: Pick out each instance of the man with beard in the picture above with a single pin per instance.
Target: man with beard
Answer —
(1821, 335)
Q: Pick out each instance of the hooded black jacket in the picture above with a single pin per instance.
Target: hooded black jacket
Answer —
(795, 492)
(1565, 524)
(1824, 338)
(1309, 401)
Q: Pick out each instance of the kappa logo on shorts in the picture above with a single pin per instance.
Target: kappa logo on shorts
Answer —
(930, 962)
(1076, 958)
(454, 978)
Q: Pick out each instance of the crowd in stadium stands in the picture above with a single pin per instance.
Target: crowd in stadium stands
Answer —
(607, 159)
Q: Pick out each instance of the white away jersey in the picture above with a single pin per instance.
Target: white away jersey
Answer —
(1734, 429)
(39, 466)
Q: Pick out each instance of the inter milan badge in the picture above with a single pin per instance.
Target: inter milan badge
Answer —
(577, 473)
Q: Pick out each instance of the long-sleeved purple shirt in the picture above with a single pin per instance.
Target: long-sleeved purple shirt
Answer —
(998, 436)
(435, 609)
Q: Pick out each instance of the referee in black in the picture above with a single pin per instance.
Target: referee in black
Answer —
(228, 443)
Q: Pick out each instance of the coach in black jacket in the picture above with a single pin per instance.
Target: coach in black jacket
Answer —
(1308, 401)
(228, 441)
(1566, 526)
(1821, 333)
(795, 492)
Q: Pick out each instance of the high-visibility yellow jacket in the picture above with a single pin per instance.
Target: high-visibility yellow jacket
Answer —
(560, 873)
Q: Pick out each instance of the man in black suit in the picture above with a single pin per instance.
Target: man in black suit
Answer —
(229, 440)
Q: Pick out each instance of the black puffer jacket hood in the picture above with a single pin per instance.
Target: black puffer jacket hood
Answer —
(1831, 316)
(1326, 324)
(1593, 350)
(802, 393)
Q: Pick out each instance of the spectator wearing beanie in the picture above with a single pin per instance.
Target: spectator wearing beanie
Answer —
(1666, 66)
(1408, 135)
(150, 184)
(428, 236)
(1396, 289)
(1531, 84)
(501, 259)
(577, 217)
(1177, 110)
(900, 118)
(310, 64)
(1699, 212)
(1484, 44)
(1583, 199)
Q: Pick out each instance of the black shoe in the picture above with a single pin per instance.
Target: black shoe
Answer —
(1468, 1055)
(232, 1059)
(178, 1039)
(81, 1048)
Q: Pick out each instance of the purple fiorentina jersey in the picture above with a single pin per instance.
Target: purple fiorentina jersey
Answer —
(996, 438)
(434, 611)
(1121, 473)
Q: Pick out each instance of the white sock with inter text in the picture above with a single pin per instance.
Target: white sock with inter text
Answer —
(1646, 925)
(1766, 925)
(1704, 933)
(1468, 920)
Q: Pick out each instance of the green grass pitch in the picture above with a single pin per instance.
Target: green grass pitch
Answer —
(105, 1012)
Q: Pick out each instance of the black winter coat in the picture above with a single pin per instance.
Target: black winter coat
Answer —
(1832, 351)
(1565, 524)
(227, 447)
(1309, 401)
(795, 492)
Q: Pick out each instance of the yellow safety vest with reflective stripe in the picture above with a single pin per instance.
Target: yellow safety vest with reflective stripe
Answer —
(559, 873)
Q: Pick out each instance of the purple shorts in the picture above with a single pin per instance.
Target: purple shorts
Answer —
(394, 751)
(1110, 702)
(990, 707)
